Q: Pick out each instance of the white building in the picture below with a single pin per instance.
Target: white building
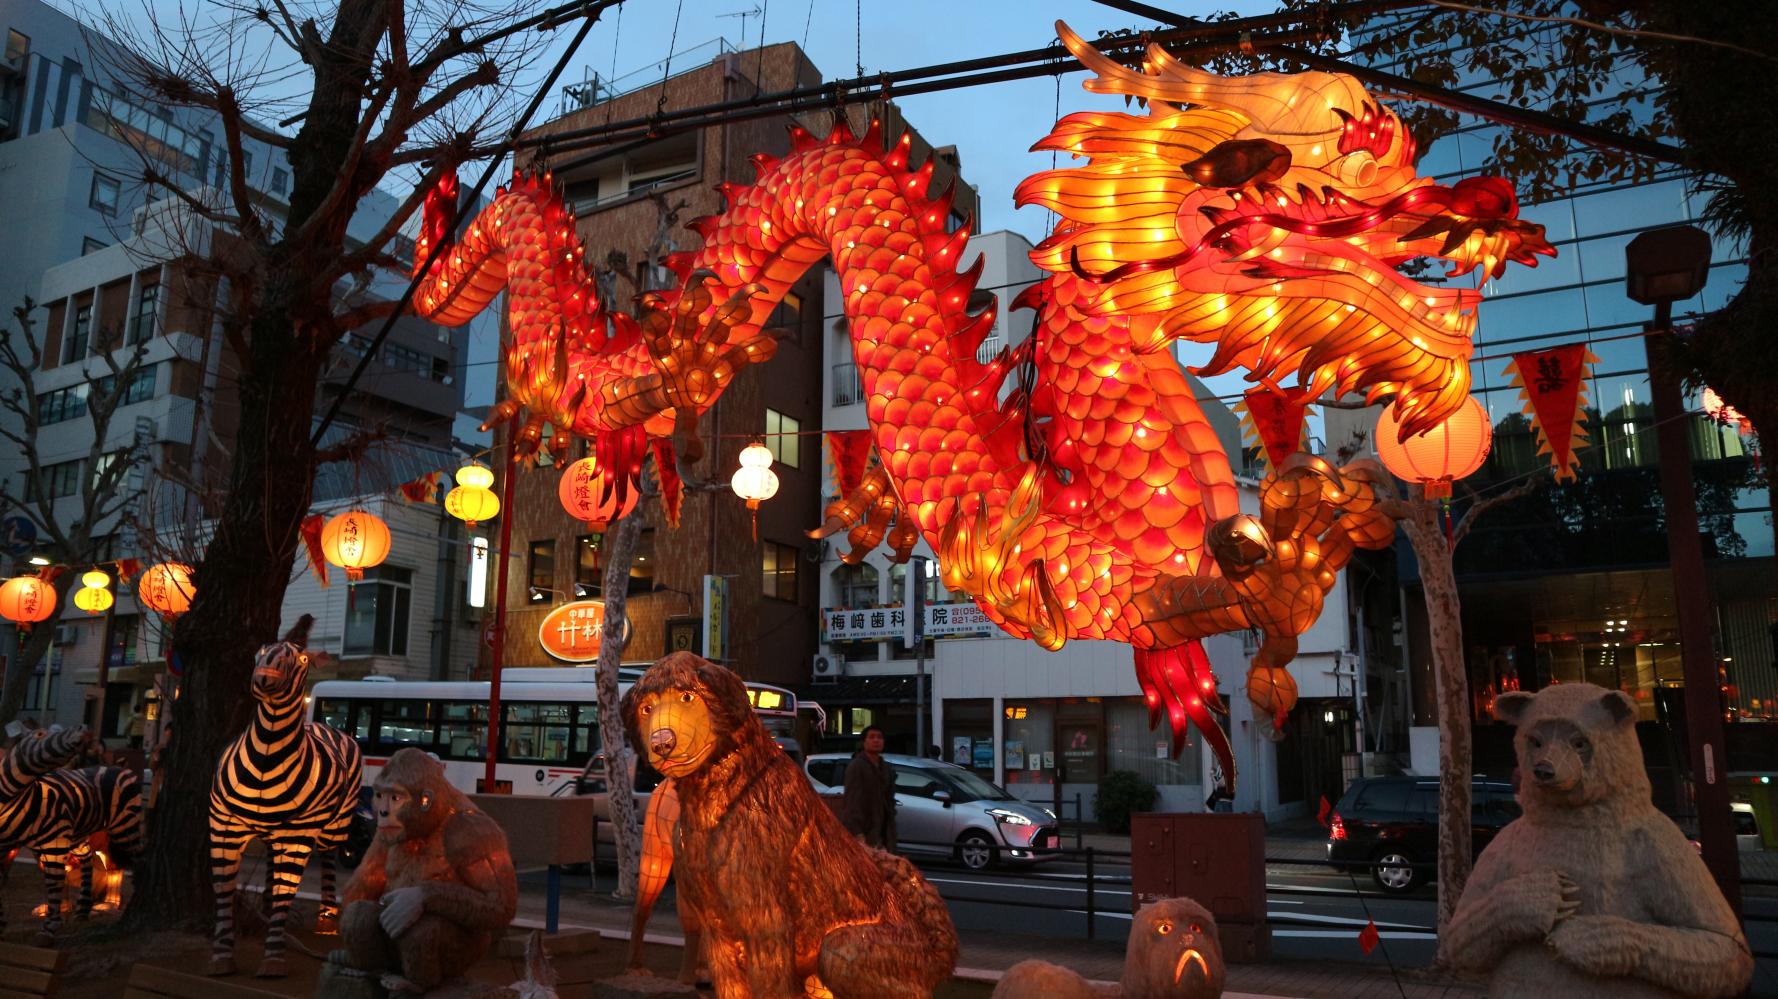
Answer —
(1048, 725)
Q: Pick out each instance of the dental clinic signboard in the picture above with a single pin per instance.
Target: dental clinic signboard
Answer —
(874, 624)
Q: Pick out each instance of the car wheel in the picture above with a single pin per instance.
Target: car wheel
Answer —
(1395, 872)
(976, 851)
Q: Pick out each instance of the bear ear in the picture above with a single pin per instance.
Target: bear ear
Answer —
(1510, 706)
(1618, 705)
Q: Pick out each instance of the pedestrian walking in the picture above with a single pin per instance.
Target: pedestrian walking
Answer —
(868, 809)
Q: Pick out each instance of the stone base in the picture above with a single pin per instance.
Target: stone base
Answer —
(633, 986)
(339, 982)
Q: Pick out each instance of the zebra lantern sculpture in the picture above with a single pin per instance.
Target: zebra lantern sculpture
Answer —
(54, 812)
(288, 782)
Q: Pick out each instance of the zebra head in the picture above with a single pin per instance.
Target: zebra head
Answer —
(280, 667)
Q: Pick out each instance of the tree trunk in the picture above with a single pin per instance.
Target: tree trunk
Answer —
(240, 585)
(31, 652)
(620, 759)
(1444, 614)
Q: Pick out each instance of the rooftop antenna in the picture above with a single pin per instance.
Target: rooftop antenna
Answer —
(754, 11)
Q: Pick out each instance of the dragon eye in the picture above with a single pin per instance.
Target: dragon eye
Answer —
(1163, 927)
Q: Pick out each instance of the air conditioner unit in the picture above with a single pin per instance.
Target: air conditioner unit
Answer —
(66, 634)
(828, 667)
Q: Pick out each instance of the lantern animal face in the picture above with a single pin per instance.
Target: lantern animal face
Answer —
(279, 668)
(1266, 214)
(678, 728)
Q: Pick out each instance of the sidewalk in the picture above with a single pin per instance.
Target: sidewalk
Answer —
(986, 955)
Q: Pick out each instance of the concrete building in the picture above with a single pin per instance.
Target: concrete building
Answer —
(114, 265)
(618, 196)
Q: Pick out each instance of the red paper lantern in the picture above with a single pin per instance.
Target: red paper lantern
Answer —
(588, 493)
(27, 600)
(1450, 451)
(166, 589)
(1724, 413)
(355, 541)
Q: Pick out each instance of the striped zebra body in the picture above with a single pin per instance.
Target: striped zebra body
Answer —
(285, 781)
(36, 754)
(63, 810)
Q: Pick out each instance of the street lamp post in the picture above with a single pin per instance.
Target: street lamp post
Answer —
(1664, 266)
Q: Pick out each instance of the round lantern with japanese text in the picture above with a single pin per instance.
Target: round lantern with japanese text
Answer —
(1450, 451)
(355, 541)
(588, 493)
(94, 595)
(27, 600)
(166, 588)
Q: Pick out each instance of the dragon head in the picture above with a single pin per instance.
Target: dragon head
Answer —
(1271, 215)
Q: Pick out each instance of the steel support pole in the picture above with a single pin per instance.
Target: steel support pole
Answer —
(497, 660)
(1691, 598)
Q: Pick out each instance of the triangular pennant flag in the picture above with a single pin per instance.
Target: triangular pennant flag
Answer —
(311, 532)
(127, 568)
(423, 489)
(1368, 938)
(849, 450)
(666, 466)
(1276, 420)
(1553, 384)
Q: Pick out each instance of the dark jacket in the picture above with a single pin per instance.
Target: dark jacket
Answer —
(868, 809)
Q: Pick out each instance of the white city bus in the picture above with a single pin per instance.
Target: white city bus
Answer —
(548, 726)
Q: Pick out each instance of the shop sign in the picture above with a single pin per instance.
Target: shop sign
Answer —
(571, 632)
(878, 623)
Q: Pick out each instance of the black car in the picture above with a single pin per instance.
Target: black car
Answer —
(1392, 823)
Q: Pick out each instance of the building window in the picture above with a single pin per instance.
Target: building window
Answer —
(778, 565)
(782, 439)
(18, 49)
(124, 628)
(377, 612)
(642, 569)
(589, 569)
(280, 181)
(91, 245)
(148, 303)
(786, 319)
(75, 348)
(62, 404)
(856, 585)
(105, 194)
(62, 479)
(540, 572)
(139, 389)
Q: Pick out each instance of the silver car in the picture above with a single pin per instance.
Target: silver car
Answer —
(947, 810)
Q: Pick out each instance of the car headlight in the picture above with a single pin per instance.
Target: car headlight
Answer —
(1008, 818)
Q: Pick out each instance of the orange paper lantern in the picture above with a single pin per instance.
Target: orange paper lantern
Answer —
(1450, 451)
(589, 494)
(27, 600)
(355, 541)
(166, 588)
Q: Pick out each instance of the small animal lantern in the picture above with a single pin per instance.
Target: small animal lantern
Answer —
(1173, 954)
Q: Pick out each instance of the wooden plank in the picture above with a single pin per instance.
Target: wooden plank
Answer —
(6, 993)
(149, 981)
(27, 980)
(41, 958)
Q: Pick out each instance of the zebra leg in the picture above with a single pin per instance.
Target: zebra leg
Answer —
(83, 903)
(53, 864)
(226, 846)
(287, 861)
(5, 879)
(328, 919)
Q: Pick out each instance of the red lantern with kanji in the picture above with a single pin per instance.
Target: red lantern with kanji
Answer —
(355, 541)
(1450, 451)
(590, 493)
(27, 600)
(166, 589)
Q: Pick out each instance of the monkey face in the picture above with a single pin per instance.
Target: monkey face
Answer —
(402, 812)
(678, 728)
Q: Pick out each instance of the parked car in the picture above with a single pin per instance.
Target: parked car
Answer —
(943, 809)
(1747, 835)
(1392, 822)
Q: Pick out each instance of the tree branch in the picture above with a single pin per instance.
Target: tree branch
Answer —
(1526, 486)
(352, 448)
(1606, 28)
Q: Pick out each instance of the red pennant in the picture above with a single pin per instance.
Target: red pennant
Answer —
(423, 489)
(1553, 384)
(311, 531)
(1322, 812)
(127, 568)
(666, 465)
(1368, 938)
(1277, 418)
(849, 450)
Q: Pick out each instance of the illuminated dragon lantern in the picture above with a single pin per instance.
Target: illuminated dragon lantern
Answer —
(1089, 498)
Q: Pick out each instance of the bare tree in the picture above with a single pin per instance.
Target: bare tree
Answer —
(376, 90)
(1423, 520)
(101, 490)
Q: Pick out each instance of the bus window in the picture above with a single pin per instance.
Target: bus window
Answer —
(586, 731)
(536, 732)
(335, 713)
(405, 723)
(462, 731)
